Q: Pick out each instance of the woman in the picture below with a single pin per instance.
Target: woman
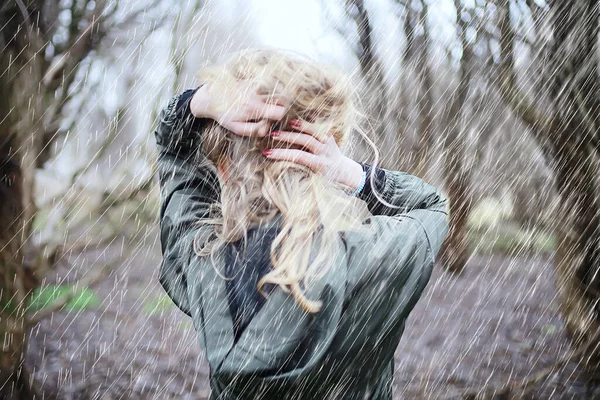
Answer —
(297, 265)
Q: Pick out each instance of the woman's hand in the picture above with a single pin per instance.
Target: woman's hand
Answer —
(242, 116)
(324, 158)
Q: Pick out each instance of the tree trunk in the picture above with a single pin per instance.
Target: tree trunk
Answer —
(13, 378)
(376, 98)
(418, 50)
(576, 255)
(569, 138)
(455, 250)
(575, 92)
(20, 61)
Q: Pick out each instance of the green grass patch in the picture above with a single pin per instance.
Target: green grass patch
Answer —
(488, 212)
(500, 240)
(158, 304)
(40, 219)
(549, 329)
(83, 299)
(492, 231)
(7, 307)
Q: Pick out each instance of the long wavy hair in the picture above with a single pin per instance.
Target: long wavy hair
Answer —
(258, 189)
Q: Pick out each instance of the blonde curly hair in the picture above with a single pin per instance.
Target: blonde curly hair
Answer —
(258, 189)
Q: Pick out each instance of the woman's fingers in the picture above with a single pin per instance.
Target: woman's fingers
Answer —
(260, 129)
(297, 156)
(277, 100)
(302, 126)
(300, 139)
(273, 111)
(258, 109)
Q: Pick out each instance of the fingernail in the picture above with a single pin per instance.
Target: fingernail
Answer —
(275, 133)
(295, 123)
(267, 152)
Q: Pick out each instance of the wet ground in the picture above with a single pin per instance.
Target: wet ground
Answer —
(497, 323)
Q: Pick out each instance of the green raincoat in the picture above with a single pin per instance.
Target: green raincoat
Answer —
(346, 350)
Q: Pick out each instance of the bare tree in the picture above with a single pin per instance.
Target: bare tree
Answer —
(417, 58)
(376, 97)
(12, 295)
(569, 136)
(42, 61)
(454, 252)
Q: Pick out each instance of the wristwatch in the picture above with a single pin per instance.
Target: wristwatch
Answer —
(363, 180)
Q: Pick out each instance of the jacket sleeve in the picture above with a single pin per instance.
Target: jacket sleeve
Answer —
(389, 267)
(187, 189)
(415, 199)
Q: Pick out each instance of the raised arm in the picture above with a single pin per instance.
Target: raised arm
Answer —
(389, 266)
(415, 198)
(188, 183)
(186, 190)
(403, 191)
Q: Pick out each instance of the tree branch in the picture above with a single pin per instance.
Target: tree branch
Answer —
(78, 50)
(511, 95)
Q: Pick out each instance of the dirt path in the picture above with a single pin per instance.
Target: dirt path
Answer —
(496, 323)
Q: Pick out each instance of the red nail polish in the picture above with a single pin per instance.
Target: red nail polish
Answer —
(275, 133)
(267, 152)
(295, 123)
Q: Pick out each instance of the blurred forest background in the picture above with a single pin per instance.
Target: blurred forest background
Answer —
(496, 102)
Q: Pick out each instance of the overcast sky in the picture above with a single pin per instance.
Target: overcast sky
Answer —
(306, 26)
